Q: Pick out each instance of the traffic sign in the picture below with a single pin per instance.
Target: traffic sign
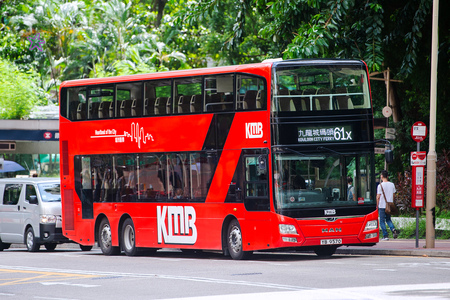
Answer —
(419, 131)
(419, 158)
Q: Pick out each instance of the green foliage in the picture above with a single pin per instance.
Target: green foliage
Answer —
(409, 231)
(18, 91)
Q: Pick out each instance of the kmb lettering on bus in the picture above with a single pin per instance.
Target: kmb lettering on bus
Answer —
(180, 226)
(253, 130)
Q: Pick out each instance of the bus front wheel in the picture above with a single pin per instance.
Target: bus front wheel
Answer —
(105, 239)
(325, 251)
(128, 238)
(234, 241)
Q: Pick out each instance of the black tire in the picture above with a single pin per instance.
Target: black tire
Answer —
(235, 243)
(50, 247)
(104, 239)
(4, 246)
(128, 241)
(85, 248)
(325, 251)
(31, 241)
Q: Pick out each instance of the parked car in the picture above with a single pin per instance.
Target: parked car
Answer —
(30, 213)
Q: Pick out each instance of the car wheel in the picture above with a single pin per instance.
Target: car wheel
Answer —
(31, 241)
(50, 247)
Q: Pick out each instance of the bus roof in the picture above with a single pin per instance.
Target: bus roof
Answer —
(258, 69)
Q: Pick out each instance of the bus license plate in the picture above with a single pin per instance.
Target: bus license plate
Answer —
(331, 242)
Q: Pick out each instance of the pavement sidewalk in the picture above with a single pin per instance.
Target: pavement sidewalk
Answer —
(400, 247)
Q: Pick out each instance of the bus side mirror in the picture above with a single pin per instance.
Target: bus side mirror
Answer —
(389, 156)
(261, 162)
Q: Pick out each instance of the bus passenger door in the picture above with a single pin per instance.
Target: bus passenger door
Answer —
(257, 228)
(256, 191)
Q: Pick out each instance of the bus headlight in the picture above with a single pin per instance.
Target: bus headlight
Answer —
(48, 219)
(287, 229)
(371, 235)
(371, 225)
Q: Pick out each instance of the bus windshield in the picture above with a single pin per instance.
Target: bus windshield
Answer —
(322, 180)
(304, 88)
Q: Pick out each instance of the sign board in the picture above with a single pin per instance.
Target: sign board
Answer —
(390, 136)
(419, 158)
(380, 150)
(318, 134)
(419, 132)
(418, 189)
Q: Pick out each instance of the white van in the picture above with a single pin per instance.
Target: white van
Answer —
(30, 213)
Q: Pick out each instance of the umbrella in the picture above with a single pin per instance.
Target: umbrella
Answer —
(10, 166)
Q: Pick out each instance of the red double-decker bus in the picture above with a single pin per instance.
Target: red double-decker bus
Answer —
(273, 155)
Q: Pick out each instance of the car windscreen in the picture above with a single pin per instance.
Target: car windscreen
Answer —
(50, 192)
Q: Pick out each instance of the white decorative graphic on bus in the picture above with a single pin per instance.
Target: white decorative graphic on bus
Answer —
(137, 134)
(180, 226)
(253, 130)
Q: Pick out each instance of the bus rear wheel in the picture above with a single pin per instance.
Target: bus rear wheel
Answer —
(105, 239)
(129, 238)
(234, 241)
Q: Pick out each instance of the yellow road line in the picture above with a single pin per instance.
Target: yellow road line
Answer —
(42, 277)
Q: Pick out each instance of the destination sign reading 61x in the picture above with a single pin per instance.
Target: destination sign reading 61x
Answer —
(322, 134)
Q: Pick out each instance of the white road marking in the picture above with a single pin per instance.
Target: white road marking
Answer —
(68, 283)
(430, 291)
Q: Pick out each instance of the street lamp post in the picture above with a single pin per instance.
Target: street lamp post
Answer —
(431, 158)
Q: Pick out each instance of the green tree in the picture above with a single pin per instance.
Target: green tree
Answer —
(19, 91)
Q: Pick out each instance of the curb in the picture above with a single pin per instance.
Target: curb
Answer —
(391, 252)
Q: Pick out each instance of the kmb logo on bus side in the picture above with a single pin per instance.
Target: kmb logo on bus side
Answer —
(253, 130)
(180, 223)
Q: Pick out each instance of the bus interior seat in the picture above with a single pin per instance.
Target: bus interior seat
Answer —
(306, 105)
(81, 111)
(103, 109)
(322, 102)
(214, 99)
(73, 109)
(160, 106)
(258, 100)
(284, 102)
(183, 104)
(125, 108)
(196, 103)
(249, 101)
(111, 109)
(136, 108)
(343, 101)
(149, 106)
(93, 110)
(169, 106)
(229, 99)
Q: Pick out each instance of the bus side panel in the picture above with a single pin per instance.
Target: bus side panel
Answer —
(259, 230)
(174, 225)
